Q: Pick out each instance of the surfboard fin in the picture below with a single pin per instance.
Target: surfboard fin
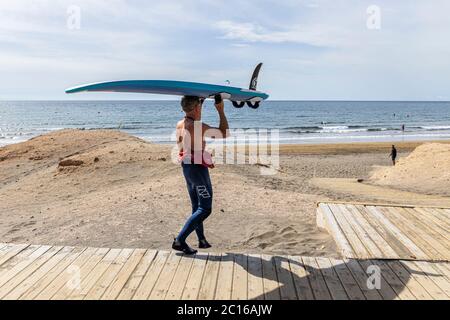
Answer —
(238, 105)
(254, 82)
(252, 105)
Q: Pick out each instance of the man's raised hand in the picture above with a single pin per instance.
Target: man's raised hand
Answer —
(220, 106)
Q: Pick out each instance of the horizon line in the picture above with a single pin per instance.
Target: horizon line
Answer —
(177, 100)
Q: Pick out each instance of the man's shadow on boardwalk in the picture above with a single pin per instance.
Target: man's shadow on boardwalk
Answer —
(359, 276)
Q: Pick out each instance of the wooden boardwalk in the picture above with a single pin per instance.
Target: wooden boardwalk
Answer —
(387, 232)
(33, 272)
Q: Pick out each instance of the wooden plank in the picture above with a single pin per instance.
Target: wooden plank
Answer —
(418, 253)
(437, 215)
(270, 278)
(385, 204)
(360, 275)
(11, 251)
(434, 291)
(209, 282)
(423, 240)
(331, 278)
(441, 269)
(21, 264)
(446, 266)
(120, 281)
(53, 277)
(93, 276)
(301, 279)
(410, 282)
(99, 288)
(336, 232)
(176, 289)
(145, 258)
(79, 276)
(67, 277)
(362, 234)
(17, 292)
(4, 248)
(318, 284)
(195, 278)
(432, 220)
(427, 226)
(385, 290)
(440, 280)
(148, 282)
(210, 277)
(164, 281)
(18, 258)
(429, 234)
(440, 215)
(225, 278)
(240, 278)
(347, 280)
(380, 242)
(255, 278)
(356, 243)
(429, 222)
(285, 279)
(401, 250)
(407, 228)
(27, 271)
(401, 291)
(443, 212)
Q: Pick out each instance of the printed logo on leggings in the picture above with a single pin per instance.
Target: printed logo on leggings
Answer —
(203, 192)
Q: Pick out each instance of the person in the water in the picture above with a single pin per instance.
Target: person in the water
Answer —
(196, 162)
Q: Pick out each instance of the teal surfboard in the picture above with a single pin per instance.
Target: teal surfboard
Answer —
(238, 96)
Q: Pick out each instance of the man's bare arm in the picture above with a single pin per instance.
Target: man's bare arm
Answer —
(222, 132)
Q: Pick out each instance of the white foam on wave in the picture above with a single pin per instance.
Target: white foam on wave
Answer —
(341, 129)
(432, 128)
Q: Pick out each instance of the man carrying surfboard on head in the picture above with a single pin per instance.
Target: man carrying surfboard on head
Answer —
(196, 162)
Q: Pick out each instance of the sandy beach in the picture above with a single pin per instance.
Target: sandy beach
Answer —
(106, 188)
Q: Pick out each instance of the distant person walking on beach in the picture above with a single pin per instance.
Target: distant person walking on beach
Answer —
(196, 162)
(393, 155)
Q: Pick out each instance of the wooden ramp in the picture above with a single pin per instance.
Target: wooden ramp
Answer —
(387, 232)
(33, 272)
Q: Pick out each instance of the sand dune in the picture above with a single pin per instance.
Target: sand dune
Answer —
(426, 170)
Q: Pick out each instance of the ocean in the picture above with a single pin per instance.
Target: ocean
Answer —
(298, 122)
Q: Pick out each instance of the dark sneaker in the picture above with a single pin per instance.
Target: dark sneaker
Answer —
(178, 246)
(203, 244)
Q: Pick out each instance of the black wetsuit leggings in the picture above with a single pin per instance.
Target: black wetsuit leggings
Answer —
(201, 194)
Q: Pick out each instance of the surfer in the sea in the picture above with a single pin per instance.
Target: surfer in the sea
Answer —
(196, 162)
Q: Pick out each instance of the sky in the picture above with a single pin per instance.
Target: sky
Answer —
(311, 49)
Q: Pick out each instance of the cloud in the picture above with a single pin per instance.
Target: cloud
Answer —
(314, 35)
